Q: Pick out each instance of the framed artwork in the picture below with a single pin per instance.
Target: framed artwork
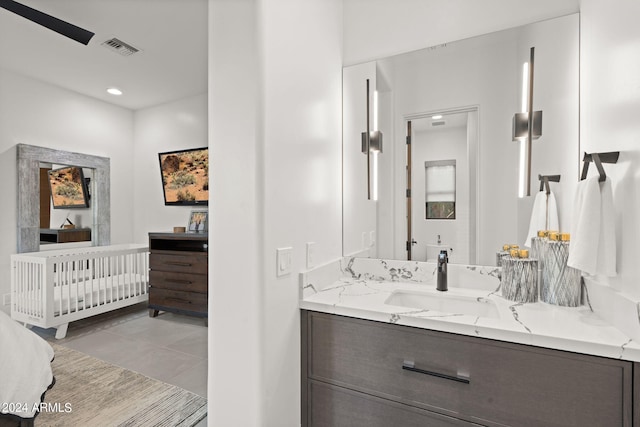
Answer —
(198, 221)
(185, 176)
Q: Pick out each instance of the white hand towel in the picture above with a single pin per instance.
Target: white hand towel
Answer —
(607, 242)
(544, 215)
(585, 226)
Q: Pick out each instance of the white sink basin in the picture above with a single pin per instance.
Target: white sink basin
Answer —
(446, 302)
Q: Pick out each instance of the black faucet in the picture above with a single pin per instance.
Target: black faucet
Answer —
(443, 259)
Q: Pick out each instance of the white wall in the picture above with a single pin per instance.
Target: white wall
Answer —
(235, 386)
(359, 207)
(379, 28)
(32, 112)
(177, 125)
(279, 82)
(610, 105)
(302, 157)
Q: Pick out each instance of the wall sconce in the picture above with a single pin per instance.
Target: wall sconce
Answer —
(527, 126)
(371, 146)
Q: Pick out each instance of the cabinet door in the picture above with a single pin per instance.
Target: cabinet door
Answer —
(333, 406)
(636, 393)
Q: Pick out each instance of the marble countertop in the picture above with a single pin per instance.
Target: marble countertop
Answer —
(360, 288)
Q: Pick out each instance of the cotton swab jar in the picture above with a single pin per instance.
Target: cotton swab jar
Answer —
(519, 281)
(560, 283)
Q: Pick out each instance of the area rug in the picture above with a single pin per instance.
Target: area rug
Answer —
(91, 392)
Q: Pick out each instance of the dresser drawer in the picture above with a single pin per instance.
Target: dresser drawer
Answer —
(188, 282)
(508, 384)
(179, 262)
(189, 301)
(334, 406)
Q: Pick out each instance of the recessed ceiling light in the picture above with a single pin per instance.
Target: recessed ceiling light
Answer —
(437, 117)
(114, 91)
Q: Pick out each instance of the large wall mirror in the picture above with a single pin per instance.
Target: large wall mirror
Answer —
(457, 102)
(32, 161)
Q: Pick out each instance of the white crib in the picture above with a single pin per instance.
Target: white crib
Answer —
(52, 288)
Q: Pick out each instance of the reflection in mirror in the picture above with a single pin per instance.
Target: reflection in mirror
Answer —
(482, 78)
(443, 190)
(65, 204)
(94, 222)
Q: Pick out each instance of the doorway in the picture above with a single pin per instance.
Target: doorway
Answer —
(441, 166)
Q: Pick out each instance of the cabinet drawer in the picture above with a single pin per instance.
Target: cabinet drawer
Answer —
(333, 406)
(509, 384)
(179, 262)
(189, 301)
(178, 281)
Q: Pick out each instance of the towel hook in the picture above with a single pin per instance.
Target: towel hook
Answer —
(599, 159)
(545, 179)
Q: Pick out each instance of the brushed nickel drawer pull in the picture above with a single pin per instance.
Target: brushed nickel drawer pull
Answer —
(178, 300)
(181, 282)
(410, 366)
(181, 264)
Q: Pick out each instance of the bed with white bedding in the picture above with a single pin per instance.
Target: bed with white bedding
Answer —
(25, 372)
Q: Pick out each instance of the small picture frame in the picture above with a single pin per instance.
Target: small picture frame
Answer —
(198, 221)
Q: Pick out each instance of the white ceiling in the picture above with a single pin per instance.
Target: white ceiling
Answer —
(451, 120)
(171, 34)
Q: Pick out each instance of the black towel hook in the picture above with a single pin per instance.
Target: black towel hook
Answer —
(545, 179)
(598, 159)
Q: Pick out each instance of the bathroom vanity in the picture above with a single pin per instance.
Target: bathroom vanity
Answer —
(375, 353)
(360, 372)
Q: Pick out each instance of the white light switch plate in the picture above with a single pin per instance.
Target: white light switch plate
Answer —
(372, 237)
(311, 254)
(283, 261)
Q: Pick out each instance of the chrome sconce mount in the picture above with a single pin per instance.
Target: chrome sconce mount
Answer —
(371, 143)
(521, 126)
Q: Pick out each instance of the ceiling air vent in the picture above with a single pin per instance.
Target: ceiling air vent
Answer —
(438, 123)
(118, 46)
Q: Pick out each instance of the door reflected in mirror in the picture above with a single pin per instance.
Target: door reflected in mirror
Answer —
(443, 189)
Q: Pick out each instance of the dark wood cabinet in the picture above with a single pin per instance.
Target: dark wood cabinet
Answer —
(178, 276)
(65, 235)
(354, 366)
(341, 407)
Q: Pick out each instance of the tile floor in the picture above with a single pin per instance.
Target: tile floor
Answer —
(171, 347)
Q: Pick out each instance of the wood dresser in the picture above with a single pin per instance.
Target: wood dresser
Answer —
(179, 265)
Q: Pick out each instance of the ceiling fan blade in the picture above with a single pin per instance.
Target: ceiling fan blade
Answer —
(59, 26)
